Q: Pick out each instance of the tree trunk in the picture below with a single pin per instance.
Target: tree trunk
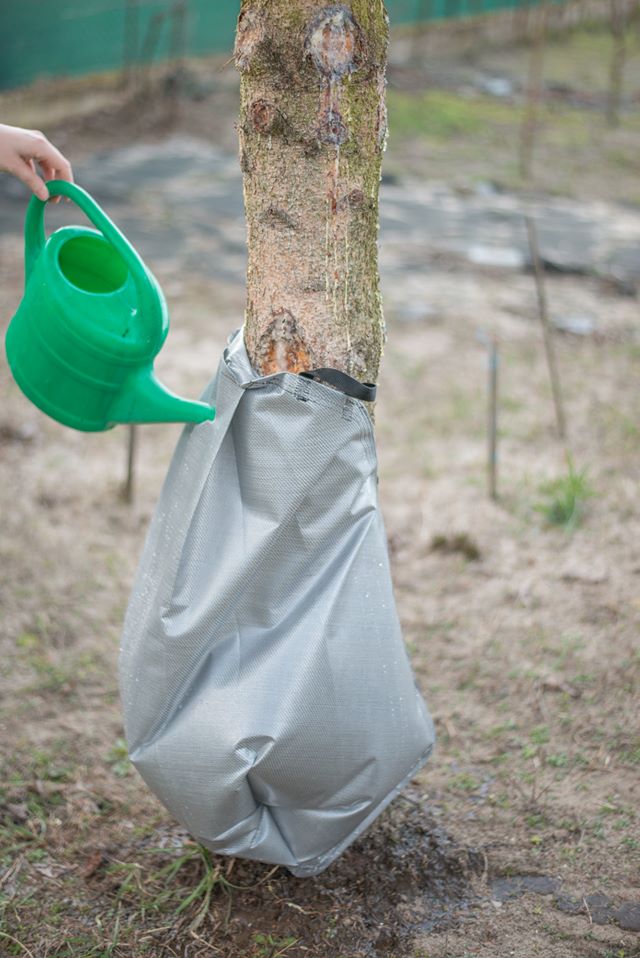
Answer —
(312, 132)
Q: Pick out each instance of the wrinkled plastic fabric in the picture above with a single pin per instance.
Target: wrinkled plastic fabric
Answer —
(268, 699)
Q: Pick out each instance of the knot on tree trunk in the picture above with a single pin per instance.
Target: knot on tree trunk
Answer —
(331, 128)
(334, 42)
(250, 34)
(266, 118)
(281, 346)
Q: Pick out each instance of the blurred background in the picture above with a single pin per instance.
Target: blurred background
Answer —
(508, 427)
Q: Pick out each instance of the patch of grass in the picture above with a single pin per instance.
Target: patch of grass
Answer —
(32, 797)
(503, 800)
(28, 641)
(584, 678)
(469, 680)
(539, 735)
(442, 115)
(509, 726)
(619, 426)
(268, 946)
(570, 643)
(118, 758)
(632, 755)
(184, 885)
(464, 783)
(579, 58)
(536, 820)
(565, 498)
(51, 677)
(561, 760)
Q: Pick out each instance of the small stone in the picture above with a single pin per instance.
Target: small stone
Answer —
(552, 684)
(576, 325)
(505, 257)
(496, 86)
(19, 811)
(486, 188)
(22, 432)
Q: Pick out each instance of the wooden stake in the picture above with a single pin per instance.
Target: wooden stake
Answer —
(616, 65)
(543, 311)
(131, 40)
(493, 418)
(534, 86)
(128, 489)
(148, 49)
(178, 46)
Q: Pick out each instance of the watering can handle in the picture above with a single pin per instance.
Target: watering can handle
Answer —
(35, 238)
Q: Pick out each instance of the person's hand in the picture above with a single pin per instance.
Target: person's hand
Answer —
(21, 150)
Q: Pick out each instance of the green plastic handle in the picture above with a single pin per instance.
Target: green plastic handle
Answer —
(34, 235)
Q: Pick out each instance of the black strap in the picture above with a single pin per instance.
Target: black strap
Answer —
(345, 383)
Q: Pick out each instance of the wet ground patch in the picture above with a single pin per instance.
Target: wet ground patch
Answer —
(405, 876)
(598, 908)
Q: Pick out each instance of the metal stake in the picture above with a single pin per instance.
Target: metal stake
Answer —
(493, 355)
(128, 488)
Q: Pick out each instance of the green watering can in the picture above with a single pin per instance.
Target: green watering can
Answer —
(92, 320)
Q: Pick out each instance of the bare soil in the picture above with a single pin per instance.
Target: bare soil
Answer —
(520, 837)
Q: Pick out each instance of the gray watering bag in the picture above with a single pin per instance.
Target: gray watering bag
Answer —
(267, 695)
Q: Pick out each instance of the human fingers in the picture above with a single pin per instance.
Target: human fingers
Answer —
(26, 172)
(46, 153)
(50, 173)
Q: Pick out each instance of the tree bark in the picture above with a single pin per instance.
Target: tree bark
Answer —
(312, 132)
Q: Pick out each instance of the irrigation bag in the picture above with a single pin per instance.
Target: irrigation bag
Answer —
(268, 699)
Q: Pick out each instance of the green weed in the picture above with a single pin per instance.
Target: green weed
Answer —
(509, 726)
(267, 946)
(565, 499)
(536, 820)
(560, 760)
(118, 758)
(184, 886)
(28, 641)
(51, 677)
(464, 782)
(539, 735)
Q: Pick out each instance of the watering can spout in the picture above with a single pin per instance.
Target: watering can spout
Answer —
(144, 399)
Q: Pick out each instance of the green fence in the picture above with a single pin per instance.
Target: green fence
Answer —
(45, 38)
